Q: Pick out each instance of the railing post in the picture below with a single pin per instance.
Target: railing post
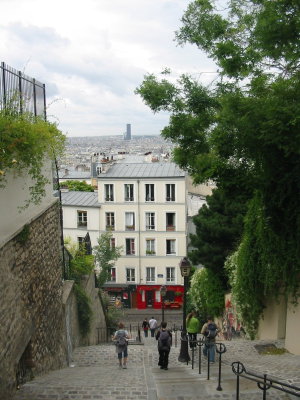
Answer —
(200, 343)
(222, 349)
(193, 354)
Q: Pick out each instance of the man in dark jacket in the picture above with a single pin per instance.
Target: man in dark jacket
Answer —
(164, 338)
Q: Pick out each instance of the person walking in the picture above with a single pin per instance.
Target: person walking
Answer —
(120, 338)
(192, 327)
(210, 330)
(153, 326)
(164, 338)
(145, 326)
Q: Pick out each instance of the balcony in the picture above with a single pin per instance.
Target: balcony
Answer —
(110, 227)
(130, 227)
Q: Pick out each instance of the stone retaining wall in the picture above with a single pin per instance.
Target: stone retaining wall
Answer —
(31, 312)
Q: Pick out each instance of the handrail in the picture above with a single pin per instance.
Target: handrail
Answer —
(263, 381)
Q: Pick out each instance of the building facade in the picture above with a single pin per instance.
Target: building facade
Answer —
(144, 207)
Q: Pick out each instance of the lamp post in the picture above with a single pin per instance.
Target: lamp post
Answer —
(163, 291)
(185, 269)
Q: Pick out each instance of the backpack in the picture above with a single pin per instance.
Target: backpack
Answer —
(211, 330)
(164, 340)
(121, 339)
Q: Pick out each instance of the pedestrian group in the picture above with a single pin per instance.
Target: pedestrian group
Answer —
(164, 338)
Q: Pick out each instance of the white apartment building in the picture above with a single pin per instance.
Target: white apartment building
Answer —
(144, 206)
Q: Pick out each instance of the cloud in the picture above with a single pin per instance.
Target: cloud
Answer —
(92, 56)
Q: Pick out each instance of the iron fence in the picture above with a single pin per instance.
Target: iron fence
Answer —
(21, 92)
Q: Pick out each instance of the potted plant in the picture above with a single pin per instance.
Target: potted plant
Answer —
(150, 252)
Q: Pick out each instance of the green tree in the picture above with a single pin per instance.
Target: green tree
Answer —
(79, 186)
(219, 226)
(244, 130)
(105, 256)
(206, 293)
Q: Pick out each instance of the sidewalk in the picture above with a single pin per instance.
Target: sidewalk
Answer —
(95, 375)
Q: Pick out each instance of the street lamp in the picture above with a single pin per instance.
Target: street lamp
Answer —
(185, 269)
(163, 291)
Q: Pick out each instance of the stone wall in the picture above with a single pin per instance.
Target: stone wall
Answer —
(31, 312)
(98, 325)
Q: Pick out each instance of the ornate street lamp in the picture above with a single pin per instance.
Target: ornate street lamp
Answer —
(185, 269)
(163, 292)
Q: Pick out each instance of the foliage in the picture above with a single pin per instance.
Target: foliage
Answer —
(23, 236)
(105, 256)
(80, 265)
(206, 293)
(25, 142)
(113, 315)
(274, 351)
(71, 245)
(219, 227)
(85, 313)
(78, 186)
(243, 132)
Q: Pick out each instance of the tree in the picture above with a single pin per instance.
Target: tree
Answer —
(105, 256)
(79, 186)
(244, 130)
(206, 293)
(219, 226)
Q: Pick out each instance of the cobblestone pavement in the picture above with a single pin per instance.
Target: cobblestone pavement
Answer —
(95, 375)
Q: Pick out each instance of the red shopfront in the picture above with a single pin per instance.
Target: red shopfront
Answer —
(150, 297)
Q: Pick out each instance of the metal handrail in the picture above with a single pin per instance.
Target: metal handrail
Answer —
(263, 381)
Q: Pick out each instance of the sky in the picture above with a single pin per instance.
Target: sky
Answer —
(92, 55)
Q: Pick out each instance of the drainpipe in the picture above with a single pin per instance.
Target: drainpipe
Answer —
(139, 226)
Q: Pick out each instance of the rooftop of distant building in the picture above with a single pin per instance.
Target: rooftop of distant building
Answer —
(144, 170)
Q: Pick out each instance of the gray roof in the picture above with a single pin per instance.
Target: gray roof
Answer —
(83, 199)
(144, 170)
(70, 175)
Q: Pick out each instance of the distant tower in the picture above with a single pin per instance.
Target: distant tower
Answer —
(127, 134)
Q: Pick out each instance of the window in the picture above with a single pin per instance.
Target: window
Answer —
(150, 221)
(170, 192)
(129, 221)
(110, 221)
(149, 190)
(128, 192)
(130, 274)
(130, 246)
(98, 170)
(150, 274)
(170, 221)
(81, 219)
(170, 295)
(109, 192)
(170, 274)
(112, 243)
(80, 241)
(171, 244)
(112, 274)
(150, 247)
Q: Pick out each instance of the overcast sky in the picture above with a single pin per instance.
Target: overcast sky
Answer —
(92, 54)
